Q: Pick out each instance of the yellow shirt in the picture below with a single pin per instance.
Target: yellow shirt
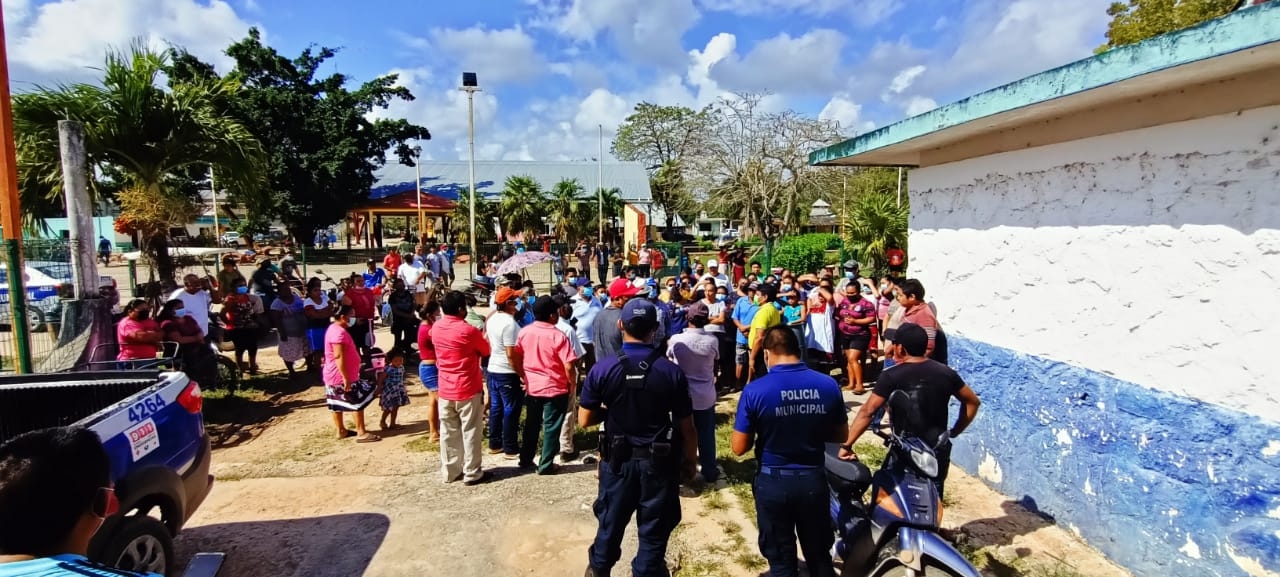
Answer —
(768, 316)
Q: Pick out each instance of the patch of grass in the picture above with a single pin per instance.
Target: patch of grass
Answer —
(422, 444)
(750, 560)
(310, 446)
(714, 500)
(871, 451)
(738, 471)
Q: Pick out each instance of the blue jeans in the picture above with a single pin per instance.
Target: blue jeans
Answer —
(654, 497)
(791, 503)
(704, 422)
(505, 400)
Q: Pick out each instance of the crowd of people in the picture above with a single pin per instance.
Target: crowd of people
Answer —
(645, 356)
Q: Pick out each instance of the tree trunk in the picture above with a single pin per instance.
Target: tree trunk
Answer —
(159, 249)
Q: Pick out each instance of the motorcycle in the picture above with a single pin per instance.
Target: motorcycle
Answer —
(482, 287)
(895, 533)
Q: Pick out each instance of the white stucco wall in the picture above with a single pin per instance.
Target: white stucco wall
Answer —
(1151, 255)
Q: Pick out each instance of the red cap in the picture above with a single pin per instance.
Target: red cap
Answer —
(505, 294)
(621, 287)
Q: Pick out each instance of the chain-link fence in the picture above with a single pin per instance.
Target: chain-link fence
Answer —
(49, 280)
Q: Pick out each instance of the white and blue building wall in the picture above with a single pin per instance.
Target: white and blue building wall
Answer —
(1115, 302)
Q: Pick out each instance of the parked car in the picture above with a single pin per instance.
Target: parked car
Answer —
(42, 297)
(729, 234)
(152, 426)
(230, 238)
(676, 235)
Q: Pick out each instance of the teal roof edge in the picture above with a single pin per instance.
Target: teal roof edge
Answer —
(1240, 30)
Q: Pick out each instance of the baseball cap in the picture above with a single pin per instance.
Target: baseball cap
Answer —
(581, 282)
(698, 310)
(912, 337)
(754, 286)
(622, 288)
(639, 309)
(505, 294)
(713, 263)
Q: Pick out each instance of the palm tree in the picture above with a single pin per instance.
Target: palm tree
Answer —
(521, 207)
(606, 204)
(153, 138)
(566, 210)
(460, 218)
(875, 221)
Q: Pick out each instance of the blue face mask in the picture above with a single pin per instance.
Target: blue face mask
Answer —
(519, 304)
(786, 288)
(848, 275)
(719, 298)
(242, 290)
(179, 313)
(587, 292)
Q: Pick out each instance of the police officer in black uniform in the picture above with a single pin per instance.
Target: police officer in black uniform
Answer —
(648, 446)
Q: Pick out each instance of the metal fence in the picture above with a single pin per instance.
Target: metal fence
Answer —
(49, 280)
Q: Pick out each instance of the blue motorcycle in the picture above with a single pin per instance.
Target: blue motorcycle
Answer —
(895, 533)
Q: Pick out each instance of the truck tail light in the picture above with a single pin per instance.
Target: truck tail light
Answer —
(191, 398)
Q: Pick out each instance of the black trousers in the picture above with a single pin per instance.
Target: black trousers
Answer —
(793, 503)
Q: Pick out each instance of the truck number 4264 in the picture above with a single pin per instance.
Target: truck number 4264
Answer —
(146, 408)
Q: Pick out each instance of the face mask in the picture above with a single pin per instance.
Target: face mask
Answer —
(867, 291)
(519, 304)
(571, 280)
(653, 293)
(242, 290)
(786, 288)
(586, 292)
(671, 287)
(720, 298)
(848, 275)
(177, 313)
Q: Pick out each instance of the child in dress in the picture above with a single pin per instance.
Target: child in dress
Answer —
(394, 394)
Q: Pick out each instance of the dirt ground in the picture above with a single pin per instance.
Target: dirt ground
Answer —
(292, 500)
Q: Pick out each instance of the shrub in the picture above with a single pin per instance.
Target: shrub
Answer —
(802, 254)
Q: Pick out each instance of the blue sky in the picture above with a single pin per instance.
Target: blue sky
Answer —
(553, 70)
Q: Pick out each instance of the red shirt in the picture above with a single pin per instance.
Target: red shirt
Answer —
(459, 347)
(426, 349)
(135, 350)
(361, 301)
(546, 350)
(392, 263)
(922, 315)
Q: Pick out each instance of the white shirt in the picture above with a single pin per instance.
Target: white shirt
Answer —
(713, 310)
(721, 279)
(409, 273)
(197, 306)
(585, 311)
(501, 330)
(572, 333)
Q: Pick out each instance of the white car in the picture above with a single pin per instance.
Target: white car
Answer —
(42, 297)
(729, 234)
(230, 238)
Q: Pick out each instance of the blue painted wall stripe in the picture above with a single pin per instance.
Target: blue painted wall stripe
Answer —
(1137, 471)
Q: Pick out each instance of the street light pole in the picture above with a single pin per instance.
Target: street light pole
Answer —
(471, 87)
(213, 194)
(600, 184)
(417, 181)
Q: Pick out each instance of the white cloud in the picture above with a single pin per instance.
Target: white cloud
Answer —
(600, 108)
(15, 12)
(66, 37)
(919, 105)
(904, 79)
(783, 64)
(863, 12)
(648, 33)
(508, 55)
(848, 114)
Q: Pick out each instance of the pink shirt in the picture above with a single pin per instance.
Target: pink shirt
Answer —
(922, 315)
(132, 350)
(459, 347)
(336, 337)
(546, 350)
(426, 349)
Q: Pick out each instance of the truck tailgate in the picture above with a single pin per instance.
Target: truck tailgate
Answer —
(30, 402)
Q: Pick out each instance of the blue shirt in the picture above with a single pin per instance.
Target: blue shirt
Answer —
(375, 278)
(793, 412)
(791, 313)
(663, 401)
(743, 312)
(63, 566)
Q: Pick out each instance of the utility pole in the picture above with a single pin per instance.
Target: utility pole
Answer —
(899, 187)
(75, 188)
(471, 87)
(213, 194)
(600, 185)
(11, 219)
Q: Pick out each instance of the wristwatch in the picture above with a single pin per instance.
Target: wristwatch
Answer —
(847, 447)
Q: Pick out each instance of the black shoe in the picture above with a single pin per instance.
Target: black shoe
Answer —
(524, 465)
(570, 456)
(485, 477)
(594, 573)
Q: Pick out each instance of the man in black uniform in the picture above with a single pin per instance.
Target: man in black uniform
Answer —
(789, 415)
(649, 444)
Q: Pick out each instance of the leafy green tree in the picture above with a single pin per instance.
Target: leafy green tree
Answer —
(875, 221)
(148, 140)
(662, 137)
(566, 210)
(323, 140)
(460, 218)
(1139, 20)
(522, 207)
